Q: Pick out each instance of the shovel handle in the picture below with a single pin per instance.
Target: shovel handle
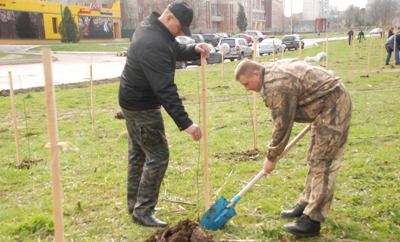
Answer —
(262, 173)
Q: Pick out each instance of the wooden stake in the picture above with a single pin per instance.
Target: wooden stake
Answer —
(352, 60)
(205, 134)
(222, 66)
(369, 54)
(53, 142)
(92, 97)
(382, 46)
(255, 106)
(327, 51)
(14, 114)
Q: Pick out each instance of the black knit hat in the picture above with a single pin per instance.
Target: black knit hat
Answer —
(184, 13)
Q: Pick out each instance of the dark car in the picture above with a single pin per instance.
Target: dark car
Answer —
(198, 38)
(292, 41)
(211, 39)
(215, 57)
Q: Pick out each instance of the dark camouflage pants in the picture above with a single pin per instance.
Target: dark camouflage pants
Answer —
(148, 158)
(329, 136)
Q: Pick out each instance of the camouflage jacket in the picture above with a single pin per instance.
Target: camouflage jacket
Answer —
(294, 91)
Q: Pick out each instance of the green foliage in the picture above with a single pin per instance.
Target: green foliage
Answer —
(33, 226)
(68, 29)
(93, 166)
(241, 20)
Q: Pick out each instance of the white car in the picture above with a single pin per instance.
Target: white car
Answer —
(184, 40)
(267, 46)
(376, 31)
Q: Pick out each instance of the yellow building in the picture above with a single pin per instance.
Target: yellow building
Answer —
(35, 19)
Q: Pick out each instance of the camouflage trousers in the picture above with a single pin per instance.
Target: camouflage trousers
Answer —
(148, 158)
(328, 138)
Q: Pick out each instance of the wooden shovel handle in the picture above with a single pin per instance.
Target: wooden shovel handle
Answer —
(261, 173)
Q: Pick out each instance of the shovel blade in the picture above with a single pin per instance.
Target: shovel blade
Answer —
(218, 215)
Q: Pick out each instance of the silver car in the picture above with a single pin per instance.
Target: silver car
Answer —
(238, 48)
(267, 46)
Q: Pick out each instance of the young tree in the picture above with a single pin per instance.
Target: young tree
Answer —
(241, 20)
(68, 29)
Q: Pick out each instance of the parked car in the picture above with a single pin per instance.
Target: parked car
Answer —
(215, 57)
(247, 37)
(257, 35)
(376, 31)
(184, 40)
(292, 41)
(198, 38)
(222, 36)
(211, 38)
(267, 46)
(238, 48)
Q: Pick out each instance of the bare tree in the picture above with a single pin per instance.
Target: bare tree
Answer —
(383, 11)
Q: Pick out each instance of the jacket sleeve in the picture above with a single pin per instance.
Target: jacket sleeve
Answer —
(283, 108)
(186, 52)
(156, 64)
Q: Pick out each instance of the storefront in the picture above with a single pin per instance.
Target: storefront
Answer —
(24, 19)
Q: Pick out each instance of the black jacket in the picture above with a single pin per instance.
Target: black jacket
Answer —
(147, 81)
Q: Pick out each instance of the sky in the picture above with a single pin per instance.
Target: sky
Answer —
(342, 4)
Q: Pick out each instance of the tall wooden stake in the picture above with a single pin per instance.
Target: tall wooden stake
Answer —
(14, 114)
(92, 97)
(53, 138)
(327, 52)
(222, 66)
(255, 54)
(352, 59)
(205, 133)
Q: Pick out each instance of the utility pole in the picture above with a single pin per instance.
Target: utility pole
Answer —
(291, 16)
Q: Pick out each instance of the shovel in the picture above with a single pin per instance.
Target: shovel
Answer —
(220, 213)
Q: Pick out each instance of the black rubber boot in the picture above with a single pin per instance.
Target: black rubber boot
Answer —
(295, 212)
(148, 220)
(304, 227)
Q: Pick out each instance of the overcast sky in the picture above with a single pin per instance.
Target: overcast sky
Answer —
(342, 4)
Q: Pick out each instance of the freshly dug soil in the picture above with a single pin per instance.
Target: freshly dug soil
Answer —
(185, 231)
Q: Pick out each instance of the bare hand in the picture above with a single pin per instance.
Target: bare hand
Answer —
(268, 166)
(195, 131)
(203, 49)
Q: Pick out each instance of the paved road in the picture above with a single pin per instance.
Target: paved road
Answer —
(71, 67)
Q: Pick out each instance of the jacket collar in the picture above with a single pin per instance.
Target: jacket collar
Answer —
(154, 19)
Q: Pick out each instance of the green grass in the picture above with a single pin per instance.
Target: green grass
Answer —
(93, 168)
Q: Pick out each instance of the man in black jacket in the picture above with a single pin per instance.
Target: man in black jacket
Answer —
(147, 83)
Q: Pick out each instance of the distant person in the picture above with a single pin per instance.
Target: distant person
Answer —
(391, 46)
(361, 36)
(350, 34)
(390, 32)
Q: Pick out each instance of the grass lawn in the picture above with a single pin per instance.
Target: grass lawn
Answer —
(93, 164)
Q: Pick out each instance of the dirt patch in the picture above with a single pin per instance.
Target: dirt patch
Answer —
(6, 92)
(28, 163)
(239, 156)
(185, 231)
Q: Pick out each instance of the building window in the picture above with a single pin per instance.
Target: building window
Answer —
(54, 21)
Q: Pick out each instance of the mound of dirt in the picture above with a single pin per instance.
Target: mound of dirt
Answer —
(185, 231)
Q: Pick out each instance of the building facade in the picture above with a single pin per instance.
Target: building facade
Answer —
(34, 19)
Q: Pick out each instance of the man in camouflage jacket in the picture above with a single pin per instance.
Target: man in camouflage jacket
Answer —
(295, 91)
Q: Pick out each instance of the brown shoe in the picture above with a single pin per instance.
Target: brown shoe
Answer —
(304, 227)
(295, 212)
